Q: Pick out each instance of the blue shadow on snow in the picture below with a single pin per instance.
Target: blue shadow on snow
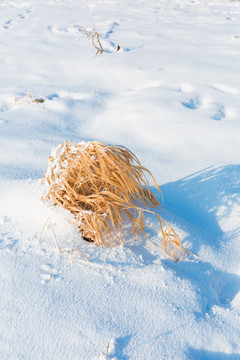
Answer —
(209, 355)
(194, 202)
(199, 197)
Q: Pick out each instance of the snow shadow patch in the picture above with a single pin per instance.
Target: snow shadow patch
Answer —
(211, 355)
(12, 172)
(204, 203)
(192, 103)
(122, 343)
(132, 254)
(220, 114)
(141, 253)
(204, 199)
(212, 286)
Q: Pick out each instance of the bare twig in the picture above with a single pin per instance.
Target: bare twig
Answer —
(111, 342)
(92, 35)
(107, 350)
(99, 47)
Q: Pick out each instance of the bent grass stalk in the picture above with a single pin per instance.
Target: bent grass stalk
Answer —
(94, 36)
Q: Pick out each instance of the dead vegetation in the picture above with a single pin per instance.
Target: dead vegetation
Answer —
(110, 344)
(105, 187)
(93, 36)
(28, 99)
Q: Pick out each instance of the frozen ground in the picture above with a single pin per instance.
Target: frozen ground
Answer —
(172, 95)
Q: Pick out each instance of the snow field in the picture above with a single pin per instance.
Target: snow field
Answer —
(171, 95)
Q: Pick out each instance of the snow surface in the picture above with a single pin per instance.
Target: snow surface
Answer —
(172, 95)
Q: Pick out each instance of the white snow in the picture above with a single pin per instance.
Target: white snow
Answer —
(171, 94)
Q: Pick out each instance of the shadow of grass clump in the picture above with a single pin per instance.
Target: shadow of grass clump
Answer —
(205, 198)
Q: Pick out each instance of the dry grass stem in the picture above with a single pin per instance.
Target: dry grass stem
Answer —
(56, 242)
(54, 235)
(92, 35)
(108, 347)
(104, 187)
(99, 46)
(107, 350)
(80, 252)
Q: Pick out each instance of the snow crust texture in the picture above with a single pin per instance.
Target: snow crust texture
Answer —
(167, 86)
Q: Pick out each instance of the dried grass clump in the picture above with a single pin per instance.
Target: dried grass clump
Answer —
(103, 187)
